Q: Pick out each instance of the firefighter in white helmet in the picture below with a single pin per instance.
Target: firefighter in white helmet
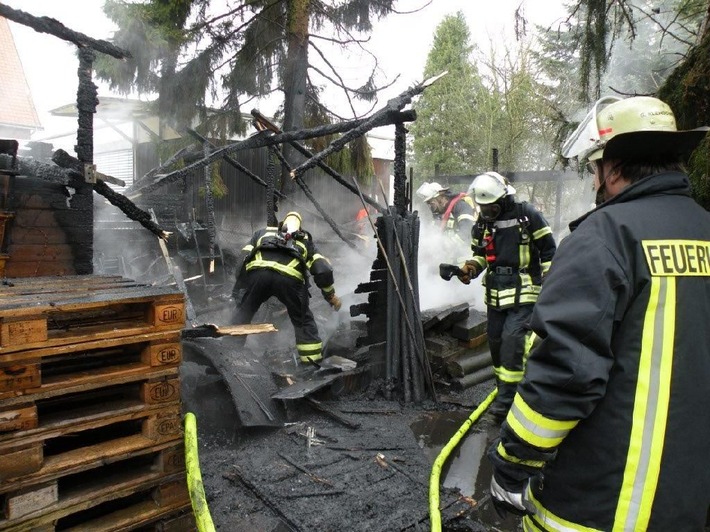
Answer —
(278, 263)
(513, 244)
(454, 214)
(610, 426)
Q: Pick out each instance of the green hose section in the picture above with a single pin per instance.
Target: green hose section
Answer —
(203, 519)
(434, 513)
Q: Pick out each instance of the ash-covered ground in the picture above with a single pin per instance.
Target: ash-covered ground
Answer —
(341, 459)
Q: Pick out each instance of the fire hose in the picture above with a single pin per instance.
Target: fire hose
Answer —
(201, 511)
(434, 512)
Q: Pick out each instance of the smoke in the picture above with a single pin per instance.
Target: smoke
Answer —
(435, 248)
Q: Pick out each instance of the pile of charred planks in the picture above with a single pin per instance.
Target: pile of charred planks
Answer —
(90, 420)
(457, 344)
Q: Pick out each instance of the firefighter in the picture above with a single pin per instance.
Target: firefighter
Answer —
(610, 426)
(277, 264)
(513, 243)
(454, 214)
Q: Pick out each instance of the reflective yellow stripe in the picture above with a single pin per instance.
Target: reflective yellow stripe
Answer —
(534, 428)
(328, 289)
(524, 255)
(309, 348)
(500, 298)
(550, 521)
(508, 375)
(310, 358)
(248, 248)
(542, 232)
(481, 261)
(545, 266)
(510, 458)
(272, 265)
(316, 257)
(649, 420)
(465, 217)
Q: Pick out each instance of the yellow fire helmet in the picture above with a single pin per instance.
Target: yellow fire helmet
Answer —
(632, 128)
(490, 187)
(291, 222)
(429, 191)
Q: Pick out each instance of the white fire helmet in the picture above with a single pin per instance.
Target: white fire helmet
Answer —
(631, 128)
(291, 222)
(490, 187)
(428, 191)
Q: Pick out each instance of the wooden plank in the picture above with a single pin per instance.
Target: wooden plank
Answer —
(99, 455)
(163, 353)
(21, 461)
(24, 502)
(171, 493)
(89, 380)
(19, 418)
(30, 235)
(65, 421)
(184, 522)
(160, 337)
(159, 392)
(475, 342)
(18, 376)
(141, 515)
(164, 426)
(16, 332)
(92, 494)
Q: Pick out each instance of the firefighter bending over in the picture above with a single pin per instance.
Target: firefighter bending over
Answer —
(454, 214)
(513, 244)
(277, 264)
(614, 408)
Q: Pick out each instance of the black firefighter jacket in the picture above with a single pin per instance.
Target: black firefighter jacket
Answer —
(293, 257)
(619, 388)
(515, 251)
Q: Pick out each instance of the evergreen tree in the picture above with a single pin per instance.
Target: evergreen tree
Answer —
(450, 132)
(194, 52)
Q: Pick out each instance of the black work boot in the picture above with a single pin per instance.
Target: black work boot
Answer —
(500, 406)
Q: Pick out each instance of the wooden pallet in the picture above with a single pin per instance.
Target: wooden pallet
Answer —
(45, 372)
(48, 312)
(30, 456)
(131, 491)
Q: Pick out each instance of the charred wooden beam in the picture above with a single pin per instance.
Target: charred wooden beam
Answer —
(260, 140)
(44, 171)
(309, 194)
(387, 115)
(63, 159)
(56, 28)
(261, 119)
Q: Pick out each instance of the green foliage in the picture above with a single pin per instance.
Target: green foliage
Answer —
(449, 132)
(501, 103)
(193, 52)
(687, 91)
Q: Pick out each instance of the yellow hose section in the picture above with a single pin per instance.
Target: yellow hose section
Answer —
(203, 518)
(434, 513)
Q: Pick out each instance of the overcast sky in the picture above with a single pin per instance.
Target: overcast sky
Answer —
(401, 43)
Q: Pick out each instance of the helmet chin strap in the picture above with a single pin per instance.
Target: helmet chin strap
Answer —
(599, 199)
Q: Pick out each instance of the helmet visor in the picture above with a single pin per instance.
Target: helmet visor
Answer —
(585, 139)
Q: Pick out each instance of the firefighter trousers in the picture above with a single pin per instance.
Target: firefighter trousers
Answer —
(262, 283)
(507, 338)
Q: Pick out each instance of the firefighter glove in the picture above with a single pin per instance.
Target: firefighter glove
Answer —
(469, 270)
(334, 301)
(510, 499)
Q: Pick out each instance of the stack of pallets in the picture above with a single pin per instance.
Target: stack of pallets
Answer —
(90, 421)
